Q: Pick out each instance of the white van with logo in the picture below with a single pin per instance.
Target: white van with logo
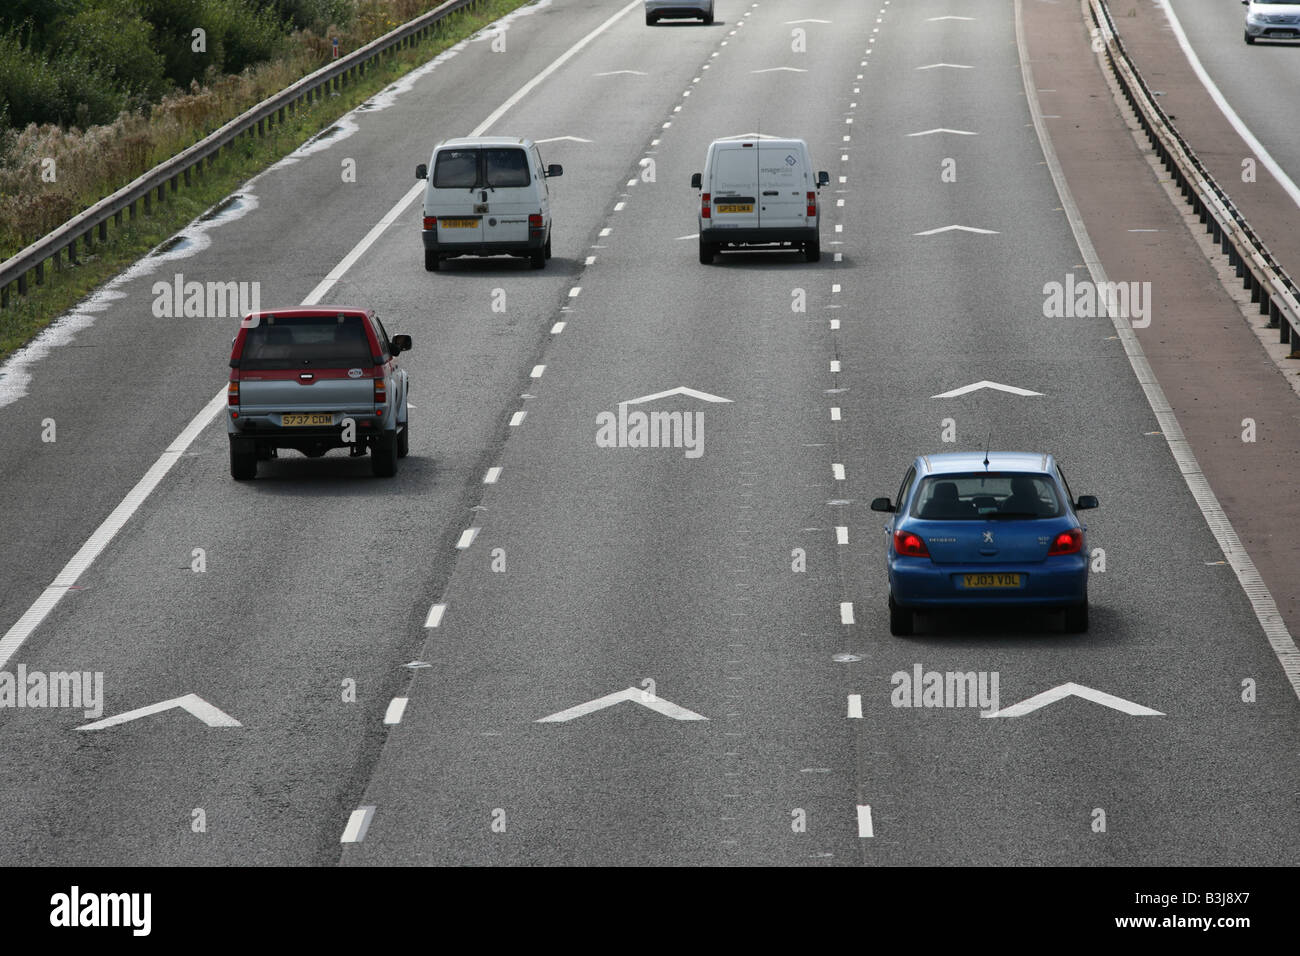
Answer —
(486, 196)
(759, 191)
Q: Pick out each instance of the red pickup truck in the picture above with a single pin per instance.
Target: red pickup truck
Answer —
(312, 379)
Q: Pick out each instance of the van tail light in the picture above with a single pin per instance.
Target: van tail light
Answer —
(232, 394)
(706, 211)
(812, 204)
(381, 392)
(910, 545)
(1067, 542)
(535, 221)
(430, 222)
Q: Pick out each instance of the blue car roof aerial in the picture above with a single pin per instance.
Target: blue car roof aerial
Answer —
(959, 461)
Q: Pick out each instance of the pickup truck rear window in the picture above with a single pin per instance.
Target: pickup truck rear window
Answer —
(328, 341)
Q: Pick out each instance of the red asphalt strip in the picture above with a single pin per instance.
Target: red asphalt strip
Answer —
(1212, 367)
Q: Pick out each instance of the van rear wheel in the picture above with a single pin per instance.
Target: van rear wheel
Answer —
(430, 261)
(651, 19)
(548, 247)
(812, 251)
(537, 259)
(707, 251)
(708, 19)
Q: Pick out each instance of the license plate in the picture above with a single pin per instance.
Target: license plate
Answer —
(736, 207)
(991, 580)
(313, 418)
(458, 223)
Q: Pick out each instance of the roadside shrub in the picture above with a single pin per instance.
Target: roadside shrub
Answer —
(247, 33)
(121, 42)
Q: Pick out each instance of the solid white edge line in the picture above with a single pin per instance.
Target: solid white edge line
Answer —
(396, 708)
(1257, 592)
(99, 539)
(358, 824)
(1226, 109)
(107, 530)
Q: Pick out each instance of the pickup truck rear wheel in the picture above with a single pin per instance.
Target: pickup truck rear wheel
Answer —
(430, 261)
(243, 459)
(383, 455)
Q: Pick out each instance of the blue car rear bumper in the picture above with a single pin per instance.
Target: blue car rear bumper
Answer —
(1057, 582)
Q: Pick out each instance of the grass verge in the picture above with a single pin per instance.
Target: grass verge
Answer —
(65, 287)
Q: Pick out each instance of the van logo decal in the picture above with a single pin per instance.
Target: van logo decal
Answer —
(790, 160)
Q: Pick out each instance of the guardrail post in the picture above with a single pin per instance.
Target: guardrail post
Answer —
(40, 273)
(103, 231)
(4, 298)
(117, 219)
(1265, 300)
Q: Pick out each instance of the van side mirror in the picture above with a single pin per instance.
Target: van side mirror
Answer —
(697, 181)
(823, 178)
(1085, 502)
(422, 171)
(555, 169)
(881, 504)
(399, 343)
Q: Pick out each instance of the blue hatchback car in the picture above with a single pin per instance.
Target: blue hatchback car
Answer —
(981, 529)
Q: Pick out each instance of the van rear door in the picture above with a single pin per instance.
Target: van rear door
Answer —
(453, 196)
(733, 177)
(511, 195)
(782, 181)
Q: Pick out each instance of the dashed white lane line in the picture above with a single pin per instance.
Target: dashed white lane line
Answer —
(492, 475)
(467, 538)
(517, 419)
(575, 292)
(618, 206)
(839, 228)
(839, 257)
(835, 287)
(396, 708)
(864, 821)
(557, 328)
(846, 612)
(605, 232)
(841, 534)
(835, 365)
(838, 470)
(537, 371)
(855, 706)
(591, 261)
(835, 414)
(435, 615)
(358, 824)
(835, 324)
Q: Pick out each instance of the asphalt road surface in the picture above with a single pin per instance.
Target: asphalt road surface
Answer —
(592, 571)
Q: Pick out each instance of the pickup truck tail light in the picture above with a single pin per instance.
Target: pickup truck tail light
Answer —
(232, 393)
(381, 392)
(430, 222)
(706, 203)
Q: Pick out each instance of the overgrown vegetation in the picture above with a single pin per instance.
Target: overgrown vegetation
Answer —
(176, 123)
(95, 92)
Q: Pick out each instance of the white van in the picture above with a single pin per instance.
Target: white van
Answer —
(486, 195)
(759, 191)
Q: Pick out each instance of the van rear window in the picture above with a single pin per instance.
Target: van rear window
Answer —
(325, 341)
(456, 169)
(505, 167)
